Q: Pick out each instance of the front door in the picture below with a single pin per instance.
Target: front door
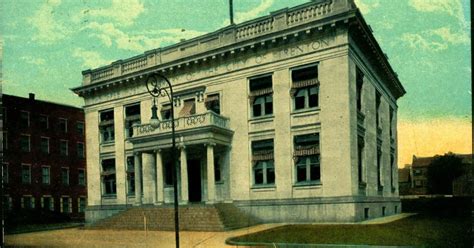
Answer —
(194, 176)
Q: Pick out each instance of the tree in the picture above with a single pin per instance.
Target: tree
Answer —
(441, 173)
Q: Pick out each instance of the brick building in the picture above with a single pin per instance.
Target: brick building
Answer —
(43, 156)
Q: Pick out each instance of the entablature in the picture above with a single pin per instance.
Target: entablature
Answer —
(300, 22)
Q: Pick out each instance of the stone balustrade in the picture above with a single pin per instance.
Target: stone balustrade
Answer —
(134, 65)
(276, 21)
(193, 121)
(102, 74)
(254, 29)
(300, 15)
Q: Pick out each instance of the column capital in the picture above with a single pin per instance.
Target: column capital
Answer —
(181, 147)
(157, 150)
(210, 144)
(136, 153)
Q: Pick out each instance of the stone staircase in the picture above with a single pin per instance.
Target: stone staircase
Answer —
(192, 217)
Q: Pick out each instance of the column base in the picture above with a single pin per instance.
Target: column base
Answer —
(210, 202)
(158, 203)
(183, 203)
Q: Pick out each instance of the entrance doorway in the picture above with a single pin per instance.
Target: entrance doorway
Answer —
(194, 177)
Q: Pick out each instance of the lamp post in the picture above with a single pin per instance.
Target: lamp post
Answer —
(158, 85)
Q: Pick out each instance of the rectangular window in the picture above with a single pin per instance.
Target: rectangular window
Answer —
(379, 169)
(212, 103)
(44, 146)
(80, 127)
(131, 175)
(25, 174)
(359, 85)
(47, 203)
(305, 87)
(80, 149)
(66, 206)
(24, 119)
(307, 158)
(263, 162)
(107, 126)
(261, 91)
(132, 117)
(392, 165)
(28, 202)
(62, 125)
(63, 147)
(217, 170)
(377, 108)
(189, 107)
(391, 122)
(108, 177)
(418, 183)
(81, 177)
(65, 176)
(5, 140)
(7, 202)
(45, 175)
(43, 122)
(5, 172)
(417, 172)
(82, 204)
(166, 112)
(360, 158)
(4, 114)
(24, 143)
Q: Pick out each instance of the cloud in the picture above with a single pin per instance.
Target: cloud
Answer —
(33, 60)
(253, 13)
(366, 6)
(451, 7)
(48, 29)
(90, 59)
(108, 34)
(122, 13)
(448, 36)
(436, 39)
(417, 41)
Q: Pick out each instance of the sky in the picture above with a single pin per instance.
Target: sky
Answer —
(47, 43)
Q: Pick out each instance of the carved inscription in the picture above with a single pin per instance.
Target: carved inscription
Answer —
(283, 52)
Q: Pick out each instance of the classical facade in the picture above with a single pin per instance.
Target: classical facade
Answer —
(44, 164)
(289, 117)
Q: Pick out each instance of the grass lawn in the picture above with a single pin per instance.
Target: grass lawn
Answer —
(419, 230)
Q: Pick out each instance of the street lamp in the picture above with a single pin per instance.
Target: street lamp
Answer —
(158, 85)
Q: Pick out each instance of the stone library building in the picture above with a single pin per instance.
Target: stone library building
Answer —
(290, 117)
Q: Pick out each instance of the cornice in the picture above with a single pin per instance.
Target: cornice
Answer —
(262, 32)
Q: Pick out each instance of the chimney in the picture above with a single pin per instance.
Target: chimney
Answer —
(32, 96)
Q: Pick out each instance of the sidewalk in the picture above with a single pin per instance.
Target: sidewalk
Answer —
(76, 237)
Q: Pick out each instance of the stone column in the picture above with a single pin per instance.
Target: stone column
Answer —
(159, 179)
(211, 184)
(184, 176)
(138, 179)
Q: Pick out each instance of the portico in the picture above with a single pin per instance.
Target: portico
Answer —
(203, 142)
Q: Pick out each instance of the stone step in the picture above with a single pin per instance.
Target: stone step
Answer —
(218, 217)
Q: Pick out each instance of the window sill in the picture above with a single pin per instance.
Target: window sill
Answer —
(264, 118)
(112, 197)
(263, 188)
(305, 111)
(108, 143)
(219, 182)
(308, 185)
